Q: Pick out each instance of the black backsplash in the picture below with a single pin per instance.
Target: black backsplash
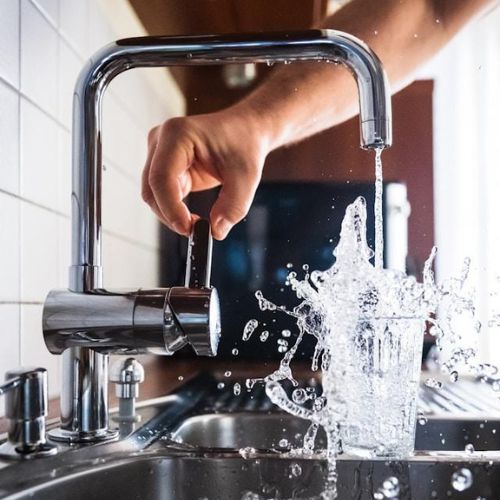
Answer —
(288, 223)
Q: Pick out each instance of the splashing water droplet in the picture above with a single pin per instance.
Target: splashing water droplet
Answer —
(283, 443)
(250, 327)
(295, 469)
(299, 396)
(469, 448)
(389, 489)
(247, 452)
(249, 383)
(422, 419)
(433, 383)
(461, 480)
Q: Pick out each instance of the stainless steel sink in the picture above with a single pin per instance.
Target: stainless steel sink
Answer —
(187, 448)
(161, 476)
(265, 431)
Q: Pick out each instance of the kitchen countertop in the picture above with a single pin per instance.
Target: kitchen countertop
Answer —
(162, 376)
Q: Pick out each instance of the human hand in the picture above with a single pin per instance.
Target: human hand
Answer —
(200, 152)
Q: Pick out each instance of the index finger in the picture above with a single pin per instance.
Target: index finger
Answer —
(170, 182)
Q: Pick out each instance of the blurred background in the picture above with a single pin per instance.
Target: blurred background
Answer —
(444, 162)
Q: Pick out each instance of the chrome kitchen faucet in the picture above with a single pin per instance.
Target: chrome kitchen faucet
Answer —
(87, 322)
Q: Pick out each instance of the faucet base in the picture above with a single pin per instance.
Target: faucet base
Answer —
(10, 451)
(65, 436)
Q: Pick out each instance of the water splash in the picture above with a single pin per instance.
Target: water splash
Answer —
(368, 323)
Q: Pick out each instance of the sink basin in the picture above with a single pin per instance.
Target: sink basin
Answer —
(187, 448)
(266, 430)
(216, 477)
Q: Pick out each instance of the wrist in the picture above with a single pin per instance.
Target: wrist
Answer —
(262, 124)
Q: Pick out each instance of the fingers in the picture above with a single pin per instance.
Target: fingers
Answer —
(234, 200)
(165, 178)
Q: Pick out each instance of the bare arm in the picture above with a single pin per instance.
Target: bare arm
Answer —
(229, 147)
(306, 98)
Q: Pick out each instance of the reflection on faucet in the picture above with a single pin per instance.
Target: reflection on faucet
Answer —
(87, 322)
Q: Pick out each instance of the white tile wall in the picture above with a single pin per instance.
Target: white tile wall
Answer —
(39, 53)
(38, 152)
(9, 340)
(9, 41)
(9, 138)
(44, 44)
(10, 245)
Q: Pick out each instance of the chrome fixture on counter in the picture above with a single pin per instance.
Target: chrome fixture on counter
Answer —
(25, 392)
(126, 374)
(87, 322)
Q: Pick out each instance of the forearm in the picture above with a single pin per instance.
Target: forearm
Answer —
(301, 99)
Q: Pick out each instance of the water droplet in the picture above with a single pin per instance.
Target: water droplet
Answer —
(299, 396)
(264, 336)
(461, 480)
(453, 376)
(375, 32)
(432, 382)
(227, 373)
(496, 386)
(289, 265)
(389, 489)
(249, 383)
(235, 352)
(247, 452)
(221, 385)
(286, 333)
(250, 327)
(422, 419)
(469, 448)
(295, 469)
(180, 377)
(283, 443)
(237, 389)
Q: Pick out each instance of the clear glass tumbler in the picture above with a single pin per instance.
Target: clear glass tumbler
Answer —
(373, 383)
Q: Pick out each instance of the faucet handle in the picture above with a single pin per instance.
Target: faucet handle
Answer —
(199, 257)
(196, 305)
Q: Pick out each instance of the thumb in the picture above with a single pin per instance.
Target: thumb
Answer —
(234, 200)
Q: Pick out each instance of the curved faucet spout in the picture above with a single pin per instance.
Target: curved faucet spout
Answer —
(327, 45)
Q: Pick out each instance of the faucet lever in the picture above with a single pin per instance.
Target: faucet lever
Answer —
(199, 257)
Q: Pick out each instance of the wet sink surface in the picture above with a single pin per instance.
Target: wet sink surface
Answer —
(187, 448)
(233, 478)
(267, 431)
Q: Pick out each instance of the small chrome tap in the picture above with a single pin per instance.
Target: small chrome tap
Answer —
(87, 322)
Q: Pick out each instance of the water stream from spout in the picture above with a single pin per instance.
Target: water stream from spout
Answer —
(378, 210)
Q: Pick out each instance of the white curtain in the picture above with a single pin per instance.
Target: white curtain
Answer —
(467, 167)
